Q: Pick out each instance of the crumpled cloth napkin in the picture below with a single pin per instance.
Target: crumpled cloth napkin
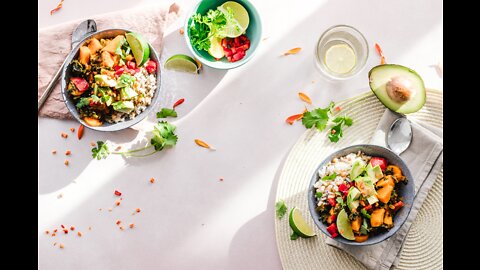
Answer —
(424, 158)
(54, 44)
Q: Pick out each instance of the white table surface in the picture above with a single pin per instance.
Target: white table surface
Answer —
(190, 219)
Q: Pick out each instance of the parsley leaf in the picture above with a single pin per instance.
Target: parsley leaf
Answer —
(330, 177)
(294, 236)
(166, 112)
(101, 151)
(320, 118)
(280, 208)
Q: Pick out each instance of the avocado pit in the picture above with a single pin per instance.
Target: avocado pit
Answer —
(400, 89)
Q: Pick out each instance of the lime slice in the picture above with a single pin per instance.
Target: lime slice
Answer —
(216, 49)
(340, 58)
(181, 62)
(237, 25)
(298, 224)
(344, 225)
(139, 46)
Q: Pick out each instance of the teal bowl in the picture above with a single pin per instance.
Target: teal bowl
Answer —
(254, 33)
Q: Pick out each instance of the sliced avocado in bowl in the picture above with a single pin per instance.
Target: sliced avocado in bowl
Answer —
(399, 88)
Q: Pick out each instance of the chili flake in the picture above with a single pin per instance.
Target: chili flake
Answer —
(53, 234)
(72, 228)
(79, 234)
(64, 135)
(65, 231)
(54, 244)
(47, 232)
(181, 31)
(89, 228)
(152, 180)
(61, 245)
(118, 222)
(66, 162)
(131, 225)
(68, 152)
(137, 210)
(93, 144)
(72, 129)
(121, 228)
(55, 230)
(59, 6)
(117, 203)
(54, 152)
(118, 193)
(178, 102)
(61, 225)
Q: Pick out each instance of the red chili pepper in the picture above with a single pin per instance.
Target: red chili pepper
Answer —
(118, 193)
(80, 132)
(379, 51)
(332, 201)
(397, 206)
(332, 230)
(368, 207)
(61, 225)
(178, 102)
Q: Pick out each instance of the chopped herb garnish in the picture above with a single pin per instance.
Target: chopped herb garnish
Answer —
(330, 177)
(280, 208)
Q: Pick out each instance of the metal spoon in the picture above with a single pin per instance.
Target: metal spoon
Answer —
(84, 28)
(399, 136)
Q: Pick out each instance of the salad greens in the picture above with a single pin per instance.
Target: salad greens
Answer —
(320, 118)
(204, 27)
(163, 136)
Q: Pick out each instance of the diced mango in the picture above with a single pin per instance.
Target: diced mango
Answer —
(397, 172)
(84, 56)
(356, 224)
(107, 59)
(384, 193)
(112, 45)
(94, 45)
(377, 217)
(388, 219)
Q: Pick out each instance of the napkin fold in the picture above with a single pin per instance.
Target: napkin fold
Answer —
(54, 44)
(424, 158)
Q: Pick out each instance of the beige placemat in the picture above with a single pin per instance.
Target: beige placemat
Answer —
(423, 248)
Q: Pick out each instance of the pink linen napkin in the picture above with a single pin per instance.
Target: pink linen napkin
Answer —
(54, 44)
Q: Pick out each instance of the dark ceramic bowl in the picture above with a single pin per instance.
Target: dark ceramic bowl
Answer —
(66, 74)
(406, 191)
(254, 33)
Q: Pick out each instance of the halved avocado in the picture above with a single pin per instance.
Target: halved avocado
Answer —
(399, 88)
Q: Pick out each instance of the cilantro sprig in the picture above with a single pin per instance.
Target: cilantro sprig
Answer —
(280, 208)
(320, 118)
(163, 136)
(203, 27)
(166, 112)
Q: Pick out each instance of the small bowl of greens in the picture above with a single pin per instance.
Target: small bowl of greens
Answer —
(223, 34)
(111, 81)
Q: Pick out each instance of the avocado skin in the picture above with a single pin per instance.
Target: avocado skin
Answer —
(413, 73)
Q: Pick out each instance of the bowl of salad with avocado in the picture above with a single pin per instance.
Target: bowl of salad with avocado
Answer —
(111, 80)
(223, 34)
(361, 195)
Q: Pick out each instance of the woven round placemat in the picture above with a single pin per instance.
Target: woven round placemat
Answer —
(423, 248)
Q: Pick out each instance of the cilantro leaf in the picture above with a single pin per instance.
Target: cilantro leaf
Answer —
(280, 208)
(101, 151)
(294, 236)
(318, 118)
(166, 112)
(330, 177)
(335, 133)
(83, 102)
(163, 135)
(318, 194)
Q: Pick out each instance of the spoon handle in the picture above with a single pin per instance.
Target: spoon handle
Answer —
(50, 86)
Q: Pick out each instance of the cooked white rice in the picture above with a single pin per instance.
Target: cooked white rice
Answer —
(341, 166)
(145, 85)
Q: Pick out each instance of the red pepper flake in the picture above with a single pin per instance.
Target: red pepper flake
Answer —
(80, 132)
(61, 245)
(291, 119)
(79, 234)
(68, 152)
(338, 108)
(89, 228)
(55, 230)
(47, 232)
(118, 222)
(118, 193)
(137, 210)
(64, 135)
(292, 51)
(65, 231)
(59, 6)
(72, 129)
(109, 209)
(54, 152)
(117, 203)
(72, 228)
(54, 244)
(333, 131)
(221, 179)
(63, 227)
(181, 31)
(304, 97)
(66, 162)
(53, 234)
(203, 144)
(131, 225)
(152, 180)
(121, 228)
(178, 102)
(92, 144)
(379, 51)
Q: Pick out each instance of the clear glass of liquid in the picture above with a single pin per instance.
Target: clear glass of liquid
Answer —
(341, 52)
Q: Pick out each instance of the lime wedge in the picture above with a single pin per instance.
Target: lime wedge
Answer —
(237, 25)
(139, 46)
(298, 224)
(340, 58)
(216, 49)
(181, 62)
(344, 225)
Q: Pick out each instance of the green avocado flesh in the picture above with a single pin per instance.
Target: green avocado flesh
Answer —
(379, 78)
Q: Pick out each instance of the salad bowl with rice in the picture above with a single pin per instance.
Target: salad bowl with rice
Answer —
(112, 80)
